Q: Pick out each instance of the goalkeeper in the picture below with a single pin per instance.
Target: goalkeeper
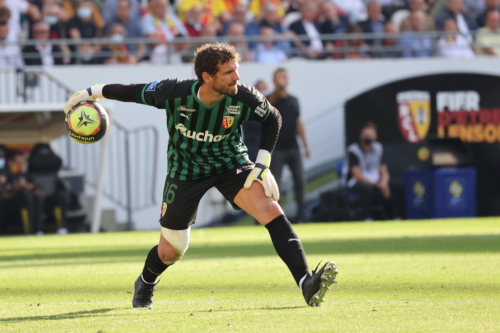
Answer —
(205, 150)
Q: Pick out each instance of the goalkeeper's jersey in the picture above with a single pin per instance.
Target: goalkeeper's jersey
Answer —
(204, 140)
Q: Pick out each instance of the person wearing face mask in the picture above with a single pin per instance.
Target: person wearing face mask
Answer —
(55, 17)
(82, 26)
(367, 172)
(87, 55)
(123, 15)
(70, 7)
(119, 53)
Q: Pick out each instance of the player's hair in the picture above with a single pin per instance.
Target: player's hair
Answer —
(208, 57)
(368, 124)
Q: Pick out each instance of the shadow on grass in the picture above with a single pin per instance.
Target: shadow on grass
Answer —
(239, 309)
(428, 244)
(63, 316)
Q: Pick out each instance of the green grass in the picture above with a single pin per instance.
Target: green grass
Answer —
(441, 276)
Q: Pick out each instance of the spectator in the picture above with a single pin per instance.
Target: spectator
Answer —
(454, 45)
(429, 24)
(71, 7)
(415, 44)
(208, 31)
(55, 17)
(367, 172)
(163, 25)
(132, 28)
(356, 47)
(193, 22)
(353, 9)
(87, 55)
(391, 49)
(10, 54)
(266, 51)
(488, 38)
(332, 24)
(212, 10)
(236, 31)
(287, 151)
(17, 9)
(82, 25)
(240, 15)
(374, 23)
(113, 12)
(257, 9)
(271, 19)
(251, 129)
(455, 11)
(312, 48)
(118, 50)
(21, 201)
(43, 53)
(490, 5)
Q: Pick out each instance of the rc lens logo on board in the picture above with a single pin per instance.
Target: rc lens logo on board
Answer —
(414, 114)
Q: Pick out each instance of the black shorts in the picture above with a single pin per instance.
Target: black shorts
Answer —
(181, 198)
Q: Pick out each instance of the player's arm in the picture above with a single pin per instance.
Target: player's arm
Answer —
(271, 125)
(154, 93)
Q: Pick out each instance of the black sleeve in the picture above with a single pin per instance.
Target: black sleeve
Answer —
(270, 131)
(353, 160)
(154, 94)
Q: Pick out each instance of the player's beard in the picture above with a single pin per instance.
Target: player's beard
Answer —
(226, 90)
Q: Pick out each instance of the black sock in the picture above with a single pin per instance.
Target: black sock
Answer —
(288, 246)
(153, 267)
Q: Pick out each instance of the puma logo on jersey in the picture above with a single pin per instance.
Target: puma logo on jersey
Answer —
(184, 108)
(200, 136)
(183, 115)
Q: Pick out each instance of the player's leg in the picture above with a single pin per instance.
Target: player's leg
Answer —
(180, 203)
(287, 244)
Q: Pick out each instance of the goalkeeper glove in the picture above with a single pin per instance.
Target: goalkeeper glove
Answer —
(92, 94)
(263, 175)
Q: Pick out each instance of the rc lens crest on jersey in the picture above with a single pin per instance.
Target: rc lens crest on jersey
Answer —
(227, 122)
(414, 114)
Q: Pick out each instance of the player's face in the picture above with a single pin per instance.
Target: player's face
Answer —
(226, 80)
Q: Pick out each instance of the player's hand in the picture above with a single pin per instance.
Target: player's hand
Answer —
(263, 175)
(92, 94)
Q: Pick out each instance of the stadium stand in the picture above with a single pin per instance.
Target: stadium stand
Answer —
(162, 31)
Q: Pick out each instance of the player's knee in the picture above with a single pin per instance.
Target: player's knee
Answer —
(269, 211)
(179, 243)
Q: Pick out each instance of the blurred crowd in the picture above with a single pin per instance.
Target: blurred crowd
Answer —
(168, 31)
(32, 198)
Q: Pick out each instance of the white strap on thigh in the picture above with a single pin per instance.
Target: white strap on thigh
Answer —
(179, 239)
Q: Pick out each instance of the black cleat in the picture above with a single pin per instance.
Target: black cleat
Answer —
(315, 286)
(143, 293)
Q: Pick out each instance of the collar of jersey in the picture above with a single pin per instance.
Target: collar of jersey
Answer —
(193, 90)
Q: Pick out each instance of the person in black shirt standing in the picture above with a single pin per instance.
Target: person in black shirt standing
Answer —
(287, 149)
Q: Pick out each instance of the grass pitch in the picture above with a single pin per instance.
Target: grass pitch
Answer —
(441, 276)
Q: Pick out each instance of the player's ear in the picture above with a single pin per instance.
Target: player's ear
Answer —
(206, 77)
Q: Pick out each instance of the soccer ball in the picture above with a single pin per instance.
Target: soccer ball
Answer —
(87, 122)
